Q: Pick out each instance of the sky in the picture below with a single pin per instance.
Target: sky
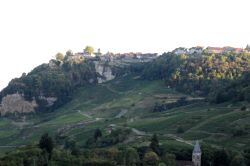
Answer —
(33, 31)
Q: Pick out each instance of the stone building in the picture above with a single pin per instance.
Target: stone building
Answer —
(196, 156)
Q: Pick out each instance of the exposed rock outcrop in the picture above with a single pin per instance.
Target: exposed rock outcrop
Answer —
(104, 71)
(15, 103)
(50, 100)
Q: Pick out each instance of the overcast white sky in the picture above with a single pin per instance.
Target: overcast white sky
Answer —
(33, 31)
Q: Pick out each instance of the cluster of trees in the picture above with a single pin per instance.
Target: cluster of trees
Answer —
(197, 74)
(116, 136)
(47, 152)
(223, 157)
(55, 80)
(194, 74)
(237, 90)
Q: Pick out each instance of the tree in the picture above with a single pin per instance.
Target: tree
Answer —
(69, 53)
(221, 158)
(151, 158)
(246, 155)
(89, 50)
(169, 159)
(238, 160)
(207, 155)
(46, 143)
(70, 144)
(247, 47)
(154, 145)
(98, 134)
(180, 130)
(131, 157)
(59, 56)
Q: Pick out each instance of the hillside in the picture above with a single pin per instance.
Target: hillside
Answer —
(173, 96)
(200, 74)
(128, 102)
(102, 105)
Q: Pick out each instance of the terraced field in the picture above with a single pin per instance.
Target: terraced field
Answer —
(104, 104)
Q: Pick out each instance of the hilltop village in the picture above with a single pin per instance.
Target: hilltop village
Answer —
(131, 57)
(136, 57)
(211, 50)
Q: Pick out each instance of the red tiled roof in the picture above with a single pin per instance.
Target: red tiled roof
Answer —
(239, 49)
(215, 48)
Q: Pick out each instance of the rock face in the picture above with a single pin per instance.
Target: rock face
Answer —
(15, 103)
(104, 71)
(50, 100)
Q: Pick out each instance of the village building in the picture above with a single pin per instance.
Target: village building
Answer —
(215, 50)
(228, 49)
(238, 50)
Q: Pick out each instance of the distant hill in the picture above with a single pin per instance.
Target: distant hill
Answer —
(201, 74)
(51, 85)
(96, 105)
(48, 86)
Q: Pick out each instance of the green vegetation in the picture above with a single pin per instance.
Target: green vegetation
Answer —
(89, 50)
(238, 90)
(60, 57)
(149, 115)
(122, 155)
(97, 106)
(52, 80)
(198, 74)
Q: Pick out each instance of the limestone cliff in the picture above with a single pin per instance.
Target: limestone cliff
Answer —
(104, 71)
(15, 103)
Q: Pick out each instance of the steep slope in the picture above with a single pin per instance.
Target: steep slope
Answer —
(103, 105)
(51, 85)
(126, 99)
(238, 90)
(201, 74)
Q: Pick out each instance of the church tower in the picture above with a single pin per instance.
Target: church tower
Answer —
(196, 157)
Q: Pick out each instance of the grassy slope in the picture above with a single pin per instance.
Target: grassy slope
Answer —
(210, 123)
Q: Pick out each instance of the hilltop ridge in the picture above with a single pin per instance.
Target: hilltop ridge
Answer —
(195, 70)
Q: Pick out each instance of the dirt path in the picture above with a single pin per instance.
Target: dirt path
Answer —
(179, 139)
(84, 114)
(121, 113)
(143, 133)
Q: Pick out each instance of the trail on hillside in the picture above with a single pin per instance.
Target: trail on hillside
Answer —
(143, 133)
(84, 114)
(179, 139)
(139, 132)
(121, 113)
